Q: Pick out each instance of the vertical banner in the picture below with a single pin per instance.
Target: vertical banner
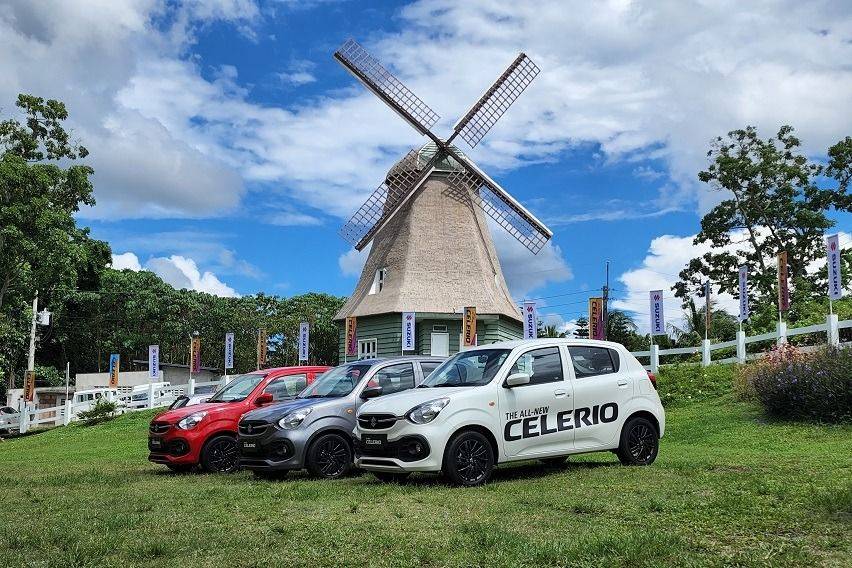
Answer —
(708, 308)
(783, 283)
(261, 348)
(469, 326)
(658, 317)
(304, 340)
(596, 323)
(743, 292)
(153, 361)
(29, 386)
(408, 319)
(351, 336)
(195, 361)
(835, 282)
(530, 320)
(229, 350)
(113, 370)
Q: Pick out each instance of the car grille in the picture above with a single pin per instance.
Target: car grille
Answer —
(253, 427)
(159, 427)
(376, 421)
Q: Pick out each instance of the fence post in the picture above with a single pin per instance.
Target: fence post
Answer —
(741, 346)
(655, 358)
(24, 421)
(833, 330)
(705, 352)
(190, 387)
(150, 395)
(66, 418)
(782, 332)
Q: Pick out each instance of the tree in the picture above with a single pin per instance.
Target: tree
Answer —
(41, 247)
(773, 204)
(582, 329)
(723, 326)
(622, 329)
(549, 331)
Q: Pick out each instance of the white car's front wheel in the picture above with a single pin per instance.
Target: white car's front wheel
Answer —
(469, 459)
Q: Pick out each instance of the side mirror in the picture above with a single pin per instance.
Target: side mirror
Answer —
(371, 392)
(264, 398)
(517, 379)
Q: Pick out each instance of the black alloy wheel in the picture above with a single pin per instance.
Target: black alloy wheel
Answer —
(220, 455)
(330, 457)
(639, 442)
(469, 459)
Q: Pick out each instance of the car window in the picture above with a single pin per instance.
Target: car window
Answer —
(467, 369)
(592, 361)
(283, 388)
(394, 378)
(429, 366)
(542, 365)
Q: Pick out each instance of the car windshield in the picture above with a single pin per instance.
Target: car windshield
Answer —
(337, 382)
(237, 388)
(467, 369)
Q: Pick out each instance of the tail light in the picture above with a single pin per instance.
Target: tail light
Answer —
(653, 378)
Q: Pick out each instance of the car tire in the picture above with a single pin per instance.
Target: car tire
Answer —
(469, 459)
(390, 476)
(554, 462)
(180, 467)
(220, 455)
(640, 442)
(329, 457)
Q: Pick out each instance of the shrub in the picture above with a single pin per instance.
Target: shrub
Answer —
(692, 383)
(790, 384)
(102, 411)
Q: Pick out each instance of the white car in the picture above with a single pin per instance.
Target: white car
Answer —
(518, 400)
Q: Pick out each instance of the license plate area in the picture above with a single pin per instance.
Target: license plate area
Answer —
(249, 447)
(374, 440)
(155, 444)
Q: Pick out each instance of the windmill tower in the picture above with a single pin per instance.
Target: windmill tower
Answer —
(432, 251)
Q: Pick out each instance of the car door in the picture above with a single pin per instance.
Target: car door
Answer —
(535, 417)
(601, 390)
(286, 387)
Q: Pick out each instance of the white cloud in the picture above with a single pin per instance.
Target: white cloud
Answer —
(126, 261)
(182, 273)
(352, 262)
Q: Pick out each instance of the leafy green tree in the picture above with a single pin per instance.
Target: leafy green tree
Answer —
(622, 329)
(582, 329)
(549, 331)
(774, 203)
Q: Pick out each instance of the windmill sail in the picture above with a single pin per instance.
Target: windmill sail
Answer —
(386, 86)
(496, 100)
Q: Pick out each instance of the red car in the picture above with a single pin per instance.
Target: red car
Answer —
(206, 434)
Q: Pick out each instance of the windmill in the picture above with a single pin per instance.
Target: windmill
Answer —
(430, 206)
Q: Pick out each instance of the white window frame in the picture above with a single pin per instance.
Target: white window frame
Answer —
(379, 280)
(363, 343)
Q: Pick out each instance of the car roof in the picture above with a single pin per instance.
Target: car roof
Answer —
(376, 360)
(289, 369)
(576, 341)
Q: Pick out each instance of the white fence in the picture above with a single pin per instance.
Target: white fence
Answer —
(127, 399)
(831, 328)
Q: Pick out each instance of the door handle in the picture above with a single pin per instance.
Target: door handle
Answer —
(622, 383)
(560, 393)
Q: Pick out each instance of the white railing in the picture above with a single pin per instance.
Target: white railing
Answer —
(831, 328)
(127, 399)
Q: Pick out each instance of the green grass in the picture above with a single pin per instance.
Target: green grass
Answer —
(728, 488)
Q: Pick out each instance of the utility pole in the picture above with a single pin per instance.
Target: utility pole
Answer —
(606, 302)
(31, 360)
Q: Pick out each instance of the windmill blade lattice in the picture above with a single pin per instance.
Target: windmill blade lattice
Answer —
(386, 86)
(496, 100)
(497, 205)
(403, 179)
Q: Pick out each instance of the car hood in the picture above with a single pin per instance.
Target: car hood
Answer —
(173, 416)
(275, 412)
(400, 403)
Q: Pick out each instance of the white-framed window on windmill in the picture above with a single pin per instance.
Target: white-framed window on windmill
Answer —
(379, 280)
(367, 348)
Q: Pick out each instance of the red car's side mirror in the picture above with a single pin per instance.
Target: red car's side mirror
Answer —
(264, 398)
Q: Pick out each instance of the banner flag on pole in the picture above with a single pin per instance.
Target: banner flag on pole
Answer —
(408, 319)
(113, 370)
(596, 324)
(708, 309)
(530, 320)
(261, 348)
(835, 281)
(469, 326)
(29, 386)
(229, 350)
(658, 317)
(783, 283)
(743, 292)
(304, 340)
(196, 355)
(351, 336)
(153, 361)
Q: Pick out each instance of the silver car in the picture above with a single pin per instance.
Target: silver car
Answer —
(314, 431)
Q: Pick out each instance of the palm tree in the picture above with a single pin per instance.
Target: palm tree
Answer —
(550, 331)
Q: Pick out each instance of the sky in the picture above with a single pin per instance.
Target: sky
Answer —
(229, 147)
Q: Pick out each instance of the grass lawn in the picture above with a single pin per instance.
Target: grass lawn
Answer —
(727, 489)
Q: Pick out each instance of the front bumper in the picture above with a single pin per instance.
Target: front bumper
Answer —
(173, 446)
(400, 451)
(272, 450)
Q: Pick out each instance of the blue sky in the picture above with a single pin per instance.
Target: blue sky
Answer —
(229, 146)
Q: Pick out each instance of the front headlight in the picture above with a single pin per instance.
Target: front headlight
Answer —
(428, 411)
(294, 419)
(191, 421)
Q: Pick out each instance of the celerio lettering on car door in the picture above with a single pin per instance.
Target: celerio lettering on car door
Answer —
(534, 418)
(601, 390)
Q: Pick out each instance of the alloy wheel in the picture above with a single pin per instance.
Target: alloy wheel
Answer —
(472, 460)
(332, 457)
(224, 455)
(641, 443)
